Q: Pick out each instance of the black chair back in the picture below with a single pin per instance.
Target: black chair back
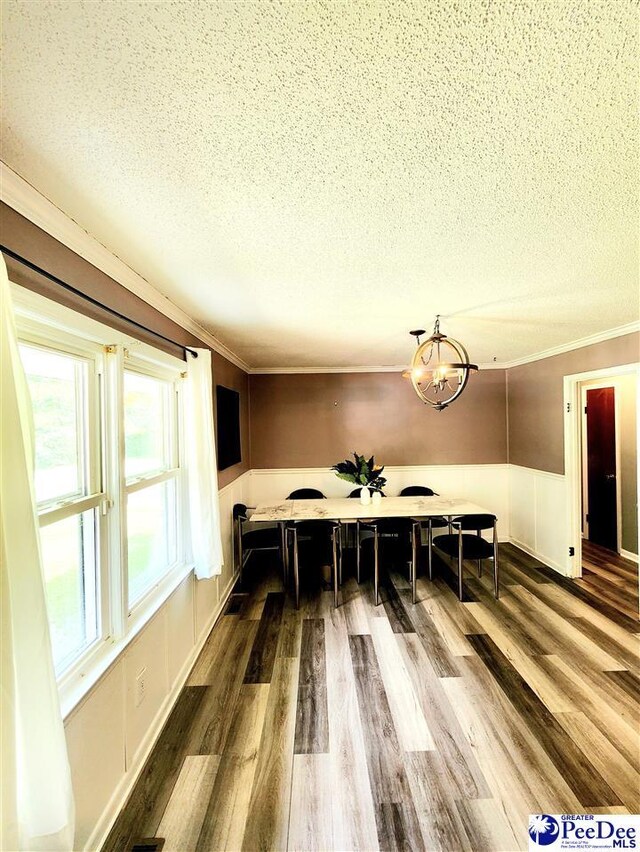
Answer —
(239, 511)
(474, 522)
(393, 526)
(306, 494)
(417, 491)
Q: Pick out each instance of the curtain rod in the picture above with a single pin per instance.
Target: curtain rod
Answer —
(91, 300)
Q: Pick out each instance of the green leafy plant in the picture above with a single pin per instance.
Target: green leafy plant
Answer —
(361, 472)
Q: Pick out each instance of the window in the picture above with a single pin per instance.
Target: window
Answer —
(68, 494)
(108, 482)
(152, 471)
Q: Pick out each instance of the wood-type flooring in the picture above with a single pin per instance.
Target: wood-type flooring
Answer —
(438, 726)
(609, 578)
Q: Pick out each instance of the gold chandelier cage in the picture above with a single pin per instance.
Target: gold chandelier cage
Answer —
(440, 368)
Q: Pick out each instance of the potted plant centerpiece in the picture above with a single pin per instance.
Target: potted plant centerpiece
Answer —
(363, 472)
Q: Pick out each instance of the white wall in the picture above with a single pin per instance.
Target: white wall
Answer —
(108, 737)
(538, 516)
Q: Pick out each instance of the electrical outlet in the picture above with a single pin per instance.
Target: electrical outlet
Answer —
(141, 686)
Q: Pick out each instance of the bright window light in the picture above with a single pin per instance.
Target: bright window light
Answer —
(64, 444)
(57, 387)
(69, 559)
(150, 416)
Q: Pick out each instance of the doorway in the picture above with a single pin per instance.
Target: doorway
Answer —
(602, 474)
(601, 513)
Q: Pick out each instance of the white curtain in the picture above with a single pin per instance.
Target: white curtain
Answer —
(37, 798)
(202, 470)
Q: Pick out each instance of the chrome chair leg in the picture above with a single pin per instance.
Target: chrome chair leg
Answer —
(335, 567)
(479, 560)
(339, 552)
(414, 560)
(296, 576)
(240, 557)
(496, 589)
(460, 563)
(287, 562)
(283, 552)
(358, 552)
(375, 566)
(430, 545)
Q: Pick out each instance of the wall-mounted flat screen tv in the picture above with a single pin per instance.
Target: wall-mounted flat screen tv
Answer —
(228, 421)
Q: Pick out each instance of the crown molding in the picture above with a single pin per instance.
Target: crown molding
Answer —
(599, 337)
(398, 368)
(590, 340)
(25, 199)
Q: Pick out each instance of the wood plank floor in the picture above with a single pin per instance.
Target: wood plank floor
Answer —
(610, 578)
(438, 726)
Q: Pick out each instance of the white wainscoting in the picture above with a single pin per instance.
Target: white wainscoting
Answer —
(539, 516)
(108, 737)
(484, 484)
(531, 505)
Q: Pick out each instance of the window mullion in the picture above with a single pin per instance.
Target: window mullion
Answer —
(117, 523)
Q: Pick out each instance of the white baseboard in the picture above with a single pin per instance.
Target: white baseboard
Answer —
(123, 790)
(541, 557)
(627, 554)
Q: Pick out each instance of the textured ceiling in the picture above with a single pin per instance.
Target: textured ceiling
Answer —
(310, 180)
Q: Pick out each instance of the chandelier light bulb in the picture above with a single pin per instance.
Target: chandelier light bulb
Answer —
(440, 368)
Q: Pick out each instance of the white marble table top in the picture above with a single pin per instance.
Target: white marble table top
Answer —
(346, 509)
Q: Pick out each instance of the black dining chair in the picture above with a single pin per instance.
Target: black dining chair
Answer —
(435, 522)
(306, 494)
(354, 495)
(466, 545)
(417, 491)
(400, 530)
(329, 530)
(319, 532)
(247, 541)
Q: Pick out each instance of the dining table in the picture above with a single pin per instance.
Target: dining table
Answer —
(351, 510)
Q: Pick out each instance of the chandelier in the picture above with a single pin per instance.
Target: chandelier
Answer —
(440, 368)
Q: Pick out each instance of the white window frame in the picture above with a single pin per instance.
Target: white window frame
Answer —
(47, 324)
(52, 511)
(176, 474)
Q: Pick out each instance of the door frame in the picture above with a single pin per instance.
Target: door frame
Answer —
(573, 454)
(614, 383)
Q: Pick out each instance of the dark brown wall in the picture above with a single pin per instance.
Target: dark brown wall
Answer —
(536, 405)
(314, 420)
(23, 237)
